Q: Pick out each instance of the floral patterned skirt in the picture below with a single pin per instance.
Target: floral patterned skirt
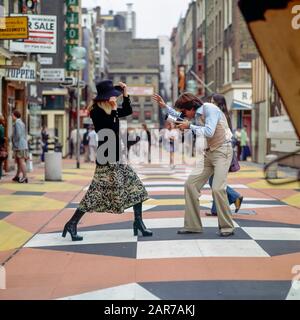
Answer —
(115, 187)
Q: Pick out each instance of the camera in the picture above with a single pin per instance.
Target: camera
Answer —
(173, 119)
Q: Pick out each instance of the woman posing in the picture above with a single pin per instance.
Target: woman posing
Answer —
(115, 186)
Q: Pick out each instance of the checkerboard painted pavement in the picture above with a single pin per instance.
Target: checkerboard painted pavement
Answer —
(111, 263)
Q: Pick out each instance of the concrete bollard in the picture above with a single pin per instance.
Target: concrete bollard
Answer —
(53, 166)
(272, 171)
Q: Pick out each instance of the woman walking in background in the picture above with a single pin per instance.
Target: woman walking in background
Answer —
(233, 196)
(20, 147)
(93, 141)
(115, 186)
(170, 138)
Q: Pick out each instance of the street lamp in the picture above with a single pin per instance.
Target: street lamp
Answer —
(78, 63)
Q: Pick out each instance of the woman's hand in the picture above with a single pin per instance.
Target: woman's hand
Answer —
(124, 87)
(158, 99)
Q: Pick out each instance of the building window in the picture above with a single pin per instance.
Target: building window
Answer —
(135, 115)
(148, 80)
(135, 77)
(230, 69)
(162, 68)
(148, 115)
(225, 66)
(123, 79)
(53, 102)
(147, 99)
(135, 99)
(162, 51)
(227, 13)
(2, 9)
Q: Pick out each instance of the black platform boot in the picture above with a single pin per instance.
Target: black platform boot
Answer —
(138, 223)
(71, 226)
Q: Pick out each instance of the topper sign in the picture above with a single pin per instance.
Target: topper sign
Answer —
(296, 18)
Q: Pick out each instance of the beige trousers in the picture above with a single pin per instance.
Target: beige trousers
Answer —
(215, 163)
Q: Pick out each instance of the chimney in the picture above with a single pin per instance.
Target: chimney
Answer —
(129, 25)
(98, 15)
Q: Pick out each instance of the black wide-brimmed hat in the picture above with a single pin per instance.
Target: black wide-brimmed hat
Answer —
(106, 90)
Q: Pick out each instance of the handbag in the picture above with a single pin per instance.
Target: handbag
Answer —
(235, 166)
(3, 154)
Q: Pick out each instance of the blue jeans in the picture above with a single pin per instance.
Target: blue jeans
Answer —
(232, 196)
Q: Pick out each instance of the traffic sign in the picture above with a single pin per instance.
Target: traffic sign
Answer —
(68, 82)
(71, 82)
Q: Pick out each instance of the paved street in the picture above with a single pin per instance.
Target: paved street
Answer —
(256, 263)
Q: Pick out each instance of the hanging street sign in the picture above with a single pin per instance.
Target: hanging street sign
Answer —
(72, 34)
(45, 60)
(42, 36)
(72, 17)
(52, 75)
(13, 28)
(72, 3)
(27, 73)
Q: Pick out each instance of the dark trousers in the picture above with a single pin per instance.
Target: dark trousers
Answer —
(232, 195)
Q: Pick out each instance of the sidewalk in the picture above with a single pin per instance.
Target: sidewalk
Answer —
(256, 263)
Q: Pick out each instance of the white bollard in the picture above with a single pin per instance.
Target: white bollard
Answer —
(272, 171)
(53, 166)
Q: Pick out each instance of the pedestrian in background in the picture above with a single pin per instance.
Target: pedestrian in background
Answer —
(85, 142)
(233, 196)
(237, 136)
(44, 138)
(145, 145)
(115, 186)
(170, 137)
(245, 144)
(93, 142)
(20, 147)
(3, 152)
(73, 142)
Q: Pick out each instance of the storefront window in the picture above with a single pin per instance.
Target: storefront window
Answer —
(53, 102)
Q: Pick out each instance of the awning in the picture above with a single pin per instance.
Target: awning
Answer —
(55, 92)
(238, 105)
(5, 53)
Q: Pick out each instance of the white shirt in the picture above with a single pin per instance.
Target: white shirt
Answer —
(93, 138)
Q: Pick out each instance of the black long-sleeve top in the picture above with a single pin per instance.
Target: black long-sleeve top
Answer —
(102, 120)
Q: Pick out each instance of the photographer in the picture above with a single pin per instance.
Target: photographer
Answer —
(211, 124)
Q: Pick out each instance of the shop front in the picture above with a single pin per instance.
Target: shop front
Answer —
(55, 117)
